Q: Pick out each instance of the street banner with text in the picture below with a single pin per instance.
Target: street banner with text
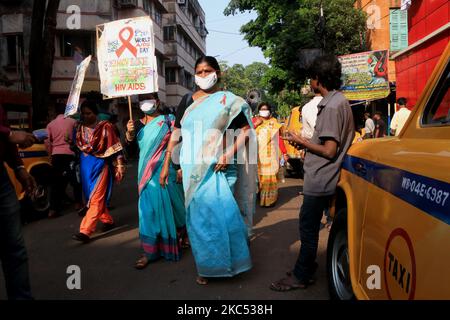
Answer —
(126, 57)
(74, 96)
(365, 75)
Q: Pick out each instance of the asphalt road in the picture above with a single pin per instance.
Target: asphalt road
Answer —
(107, 263)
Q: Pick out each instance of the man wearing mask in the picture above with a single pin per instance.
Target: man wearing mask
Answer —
(13, 254)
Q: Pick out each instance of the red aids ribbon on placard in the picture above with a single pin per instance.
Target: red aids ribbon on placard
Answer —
(126, 44)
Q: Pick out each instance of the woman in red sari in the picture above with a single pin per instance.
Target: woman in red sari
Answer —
(100, 160)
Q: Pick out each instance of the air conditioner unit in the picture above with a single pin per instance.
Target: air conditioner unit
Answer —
(127, 3)
(203, 32)
(181, 2)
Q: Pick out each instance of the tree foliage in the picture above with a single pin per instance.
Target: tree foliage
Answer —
(284, 27)
(239, 80)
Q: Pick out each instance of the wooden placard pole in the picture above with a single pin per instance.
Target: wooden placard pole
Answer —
(129, 107)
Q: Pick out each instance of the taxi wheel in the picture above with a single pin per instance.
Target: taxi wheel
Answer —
(38, 203)
(32, 208)
(338, 270)
(41, 199)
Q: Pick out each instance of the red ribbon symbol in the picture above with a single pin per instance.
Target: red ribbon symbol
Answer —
(126, 44)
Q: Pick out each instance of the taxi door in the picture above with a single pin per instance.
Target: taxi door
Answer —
(407, 222)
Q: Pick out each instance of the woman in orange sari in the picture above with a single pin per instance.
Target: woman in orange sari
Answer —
(269, 147)
(100, 160)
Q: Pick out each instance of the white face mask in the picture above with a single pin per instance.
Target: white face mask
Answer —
(148, 106)
(264, 113)
(207, 82)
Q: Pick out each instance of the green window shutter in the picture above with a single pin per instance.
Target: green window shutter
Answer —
(394, 29)
(403, 32)
(398, 28)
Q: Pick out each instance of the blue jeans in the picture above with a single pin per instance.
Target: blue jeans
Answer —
(309, 226)
(13, 254)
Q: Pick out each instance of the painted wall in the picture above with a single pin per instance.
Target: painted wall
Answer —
(414, 67)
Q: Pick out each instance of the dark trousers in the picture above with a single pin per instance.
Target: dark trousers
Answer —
(13, 254)
(309, 226)
(63, 174)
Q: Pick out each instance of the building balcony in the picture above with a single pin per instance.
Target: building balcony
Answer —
(177, 16)
(179, 57)
(64, 71)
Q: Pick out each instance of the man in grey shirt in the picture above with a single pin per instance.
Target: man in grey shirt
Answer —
(333, 135)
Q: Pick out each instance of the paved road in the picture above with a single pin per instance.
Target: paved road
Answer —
(106, 264)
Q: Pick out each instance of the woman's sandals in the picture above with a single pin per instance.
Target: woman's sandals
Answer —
(201, 281)
(141, 263)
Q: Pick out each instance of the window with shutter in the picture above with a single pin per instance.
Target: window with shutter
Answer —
(398, 28)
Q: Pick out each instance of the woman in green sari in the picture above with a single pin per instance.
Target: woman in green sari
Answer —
(162, 216)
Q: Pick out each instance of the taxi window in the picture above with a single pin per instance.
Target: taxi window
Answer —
(437, 112)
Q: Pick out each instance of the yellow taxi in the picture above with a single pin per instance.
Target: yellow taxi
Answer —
(390, 237)
(294, 124)
(17, 106)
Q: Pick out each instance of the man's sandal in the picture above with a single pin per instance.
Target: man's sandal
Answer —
(291, 273)
(288, 284)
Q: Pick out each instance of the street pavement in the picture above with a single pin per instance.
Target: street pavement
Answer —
(107, 263)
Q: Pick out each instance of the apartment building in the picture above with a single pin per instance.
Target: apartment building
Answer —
(180, 35)
(185, 41)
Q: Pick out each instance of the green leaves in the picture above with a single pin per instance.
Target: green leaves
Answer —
(239, 80)
(284, 27)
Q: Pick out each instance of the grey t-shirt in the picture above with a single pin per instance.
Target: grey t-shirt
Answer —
(334, 121)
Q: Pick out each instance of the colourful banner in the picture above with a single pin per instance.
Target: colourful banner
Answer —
(126, 57)
(75, 90)
(365, 75)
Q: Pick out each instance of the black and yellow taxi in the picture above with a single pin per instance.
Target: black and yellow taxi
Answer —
(390, 238)
(17, 106)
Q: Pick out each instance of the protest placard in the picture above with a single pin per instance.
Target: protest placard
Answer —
(365, 75)
(75, 90)
(126, 58)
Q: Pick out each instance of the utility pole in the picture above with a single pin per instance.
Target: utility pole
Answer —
(320, 28)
